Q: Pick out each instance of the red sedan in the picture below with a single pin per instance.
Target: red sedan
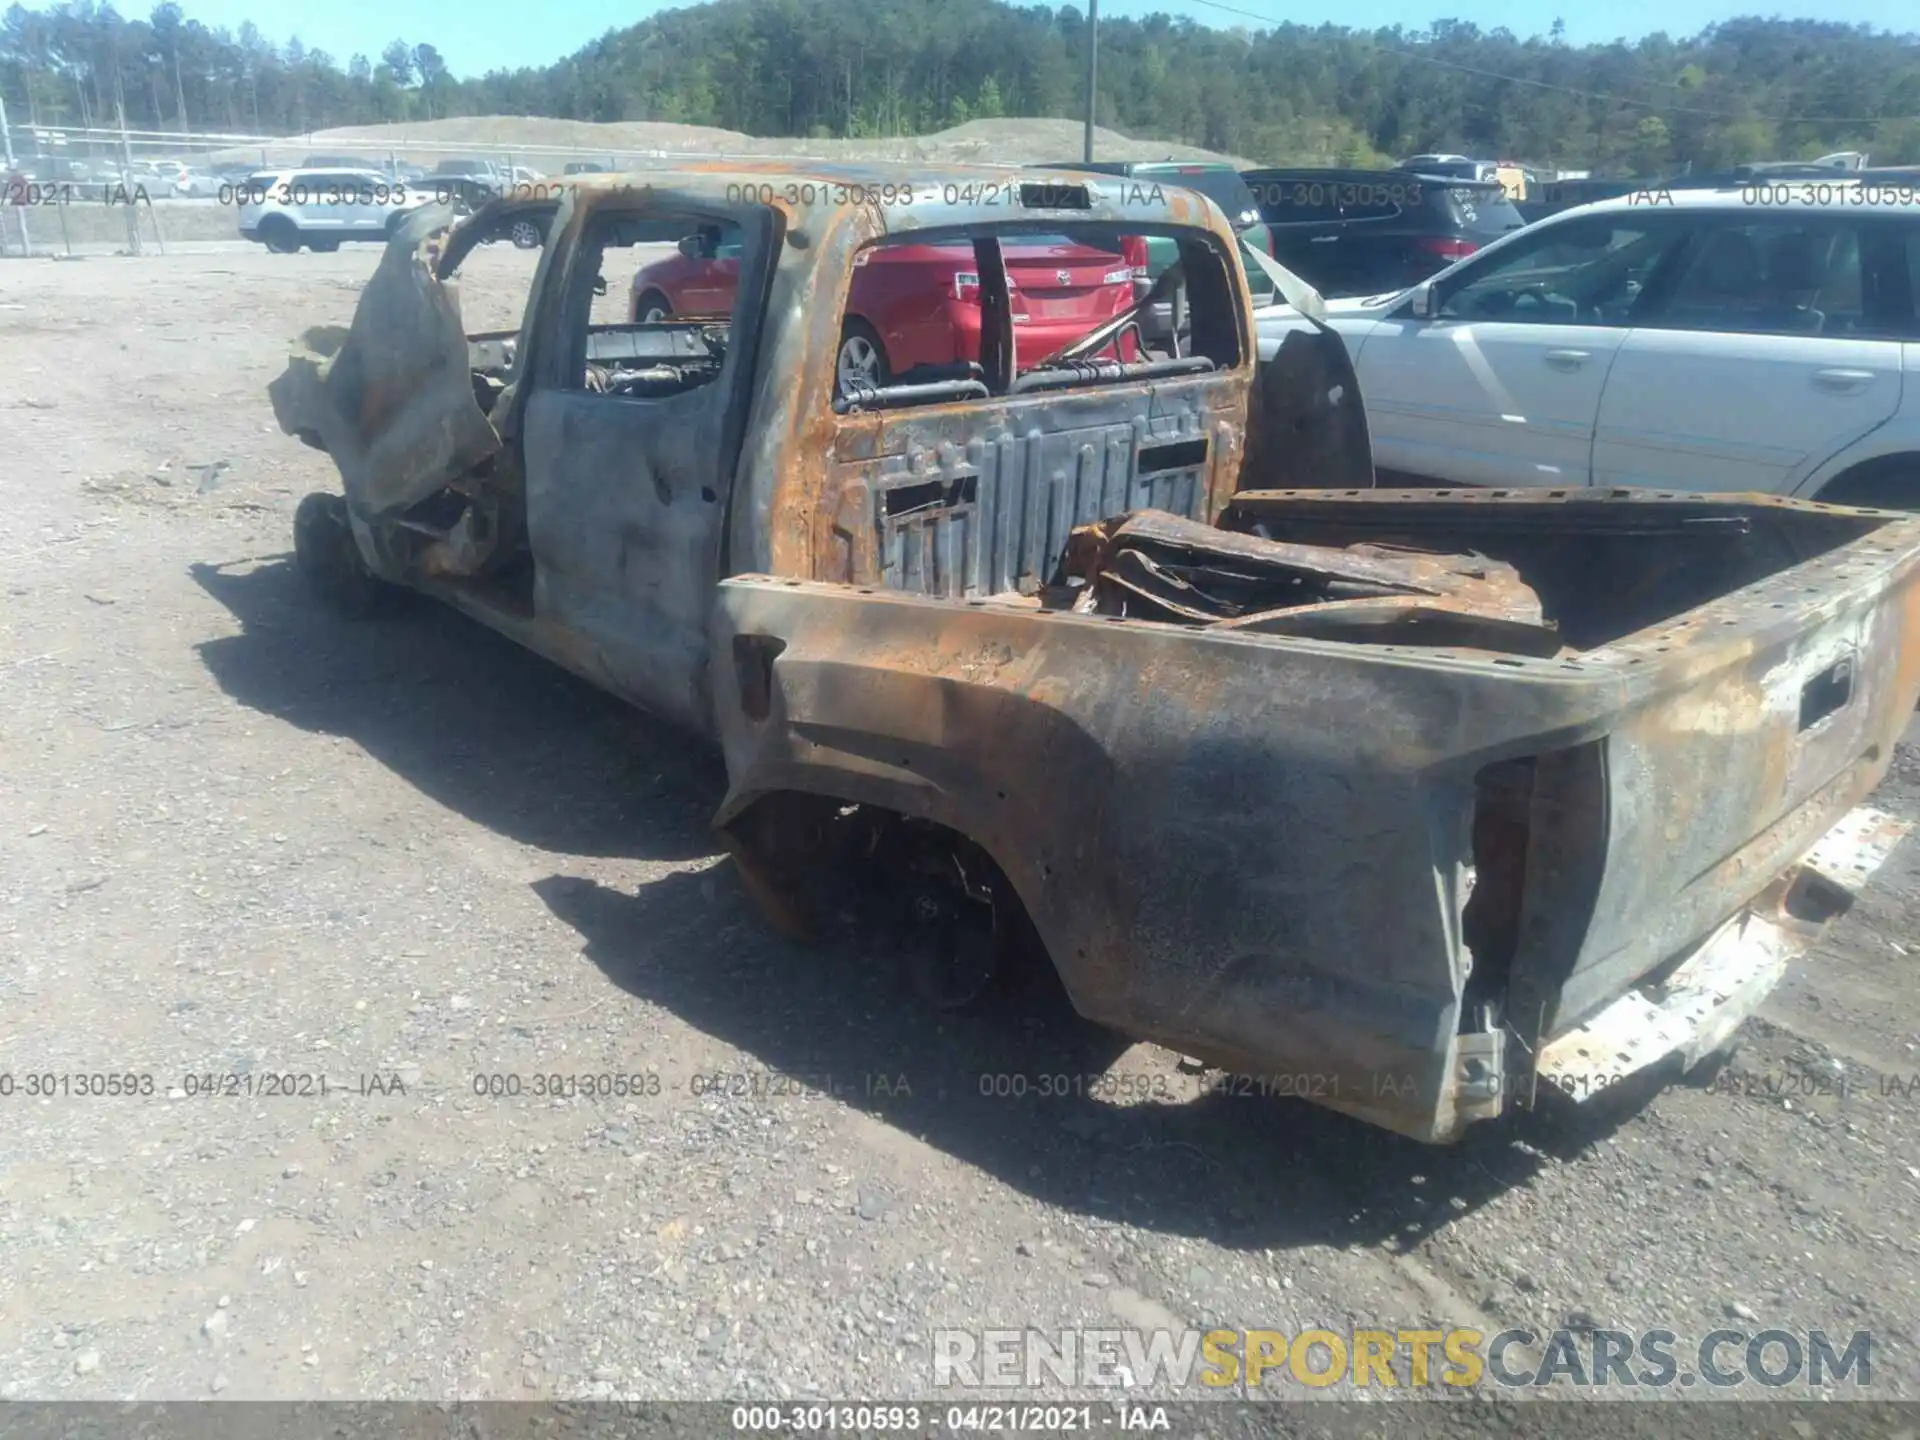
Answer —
(915, 305)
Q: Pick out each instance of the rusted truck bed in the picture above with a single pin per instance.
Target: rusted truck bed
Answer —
(1413, 879)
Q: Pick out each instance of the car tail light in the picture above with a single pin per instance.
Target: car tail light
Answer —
(966, 285)
(1447, 247)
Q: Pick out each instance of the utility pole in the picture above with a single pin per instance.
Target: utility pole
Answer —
(128, 186)
(1093, 73)
(6, 144)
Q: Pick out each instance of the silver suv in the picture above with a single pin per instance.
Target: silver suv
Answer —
(285, 209)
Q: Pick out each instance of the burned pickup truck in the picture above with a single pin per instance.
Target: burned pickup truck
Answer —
(1440, 798)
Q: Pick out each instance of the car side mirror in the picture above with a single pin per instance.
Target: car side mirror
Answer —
(692, 248)
(1420, 301)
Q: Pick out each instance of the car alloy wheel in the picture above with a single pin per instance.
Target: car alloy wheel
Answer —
(525, 234)
(859, 362)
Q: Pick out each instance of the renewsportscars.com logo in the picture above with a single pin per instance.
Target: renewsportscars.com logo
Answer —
(1249, 1360)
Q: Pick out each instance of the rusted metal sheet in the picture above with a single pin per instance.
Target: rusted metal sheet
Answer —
(1264, 850)
(1692, 1012)
(1162, 566)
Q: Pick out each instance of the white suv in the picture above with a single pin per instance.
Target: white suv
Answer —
(285, 209)
(1713, 340)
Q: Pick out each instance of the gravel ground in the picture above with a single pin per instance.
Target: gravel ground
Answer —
(240, 838)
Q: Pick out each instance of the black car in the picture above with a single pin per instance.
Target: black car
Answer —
(1365, 232)
(1552, 196)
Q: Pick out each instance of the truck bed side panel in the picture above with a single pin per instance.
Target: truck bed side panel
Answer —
(1246, 848)
(1260, 850)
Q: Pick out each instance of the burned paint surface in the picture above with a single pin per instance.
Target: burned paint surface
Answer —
(1256, 848)
(632, 512)
(391, 398)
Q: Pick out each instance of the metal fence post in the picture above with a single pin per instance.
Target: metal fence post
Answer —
(6, 143)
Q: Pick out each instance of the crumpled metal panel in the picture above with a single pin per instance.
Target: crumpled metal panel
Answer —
(1162, 566)
(391, 399)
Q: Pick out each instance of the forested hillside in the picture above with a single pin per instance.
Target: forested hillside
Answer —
(1743, 90)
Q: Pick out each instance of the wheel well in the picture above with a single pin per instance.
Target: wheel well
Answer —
(1889, 482)
(807, 858)
(278, 222)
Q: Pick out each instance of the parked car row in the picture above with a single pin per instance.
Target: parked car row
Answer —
(319, 208)
(1359, 232)
(1693, 341)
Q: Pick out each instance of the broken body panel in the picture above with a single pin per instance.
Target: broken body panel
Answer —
(1386, 792)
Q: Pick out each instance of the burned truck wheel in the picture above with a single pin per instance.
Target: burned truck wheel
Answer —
(326, 555)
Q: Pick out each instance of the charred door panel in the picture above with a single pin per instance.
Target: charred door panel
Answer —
(630, 463)
(624, 518)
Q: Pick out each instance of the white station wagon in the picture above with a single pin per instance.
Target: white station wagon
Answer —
(1712, 340)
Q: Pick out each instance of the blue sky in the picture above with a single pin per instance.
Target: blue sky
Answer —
(479, 35)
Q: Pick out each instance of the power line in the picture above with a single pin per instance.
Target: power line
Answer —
(1601, 95)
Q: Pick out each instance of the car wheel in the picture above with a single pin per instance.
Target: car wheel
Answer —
(324, 246)
(651, 309)
(526, 235)
(280, 235)
(862, 358)
(328, 558)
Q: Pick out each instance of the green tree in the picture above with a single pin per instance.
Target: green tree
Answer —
(1651, 147)
(988, 105)
(398, 59)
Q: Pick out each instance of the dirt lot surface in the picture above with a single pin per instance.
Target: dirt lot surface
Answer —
(240, 839)
(1004, 141)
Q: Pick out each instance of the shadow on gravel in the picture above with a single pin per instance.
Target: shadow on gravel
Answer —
(486, 728)
(514, 743)
(1244, 1171)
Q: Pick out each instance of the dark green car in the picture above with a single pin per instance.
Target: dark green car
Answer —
(1220, 183)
